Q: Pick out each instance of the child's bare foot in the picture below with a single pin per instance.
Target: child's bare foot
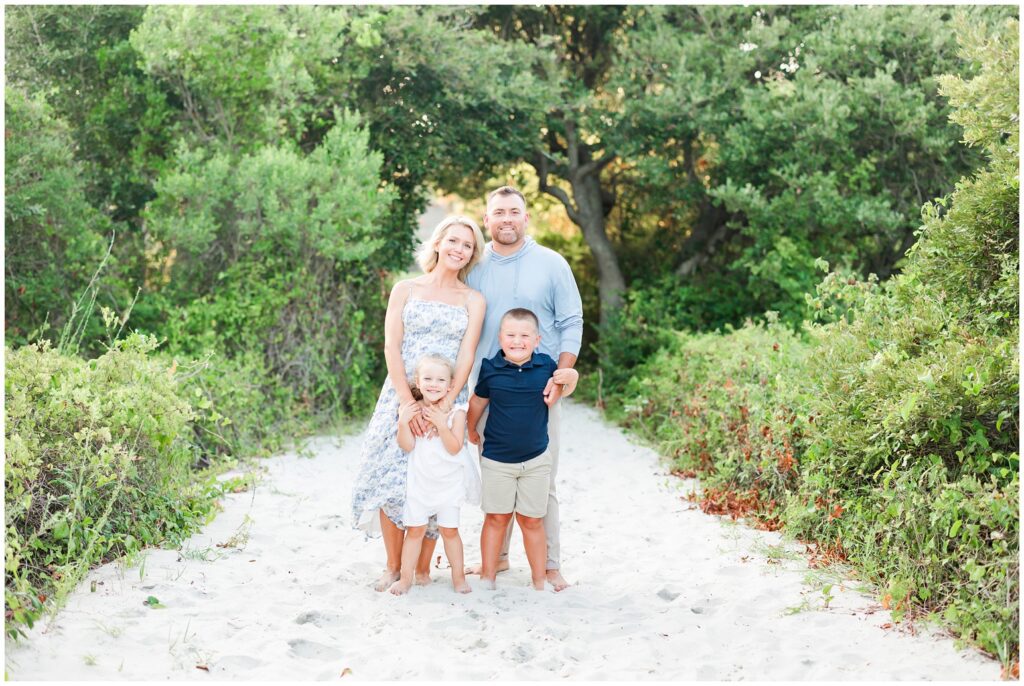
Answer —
(556, 579)
(488, 584)
(400, 587)
(503, 566)
(461, 585)
(385, 580)
(422, 579)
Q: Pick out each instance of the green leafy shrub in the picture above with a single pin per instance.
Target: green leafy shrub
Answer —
(897, 419)
(919, 397)
(729, 407)
(98, 463)
(240, 408)
(278, 253)
(53, 238)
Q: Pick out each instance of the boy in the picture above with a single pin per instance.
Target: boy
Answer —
(516, 464)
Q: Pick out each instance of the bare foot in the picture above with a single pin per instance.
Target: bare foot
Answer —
(400, 587)
(503, 566)
(462, 586)
(556, 579)
(538, 584)
(423, 579)
(488, 584)
(385, 580)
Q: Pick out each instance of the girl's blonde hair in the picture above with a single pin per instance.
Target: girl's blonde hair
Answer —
(426, 256)
(436, 358)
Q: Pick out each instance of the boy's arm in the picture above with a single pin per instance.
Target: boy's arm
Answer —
(476, 410)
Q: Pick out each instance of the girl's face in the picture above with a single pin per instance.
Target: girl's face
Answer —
(456, 247)
(434, 381)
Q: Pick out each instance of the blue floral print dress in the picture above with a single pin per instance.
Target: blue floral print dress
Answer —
(429, 326)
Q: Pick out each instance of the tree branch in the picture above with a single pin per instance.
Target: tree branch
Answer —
(595, 166)
(712, 227)
(572, 143)
(540, 164)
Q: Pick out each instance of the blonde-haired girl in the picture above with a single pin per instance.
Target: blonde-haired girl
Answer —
(441, 474)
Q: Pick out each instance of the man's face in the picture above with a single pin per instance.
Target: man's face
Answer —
(506, 219)
(518, 338)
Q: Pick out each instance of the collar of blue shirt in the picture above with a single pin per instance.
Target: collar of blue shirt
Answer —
(500, 361)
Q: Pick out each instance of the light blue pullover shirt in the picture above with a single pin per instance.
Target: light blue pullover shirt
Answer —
(538, 279)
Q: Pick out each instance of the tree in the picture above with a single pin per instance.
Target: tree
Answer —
(759, 139)
(53, 239)
(795, 133)
(79, 60)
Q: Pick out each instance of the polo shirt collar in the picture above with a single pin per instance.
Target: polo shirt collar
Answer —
(500, 361)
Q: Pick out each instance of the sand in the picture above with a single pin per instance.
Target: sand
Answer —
(278, 587)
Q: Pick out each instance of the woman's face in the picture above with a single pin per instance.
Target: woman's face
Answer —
(434, 381)
(455, 249)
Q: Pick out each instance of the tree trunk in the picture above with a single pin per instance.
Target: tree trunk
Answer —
(587, 208)
(710, 230)
(590, 219)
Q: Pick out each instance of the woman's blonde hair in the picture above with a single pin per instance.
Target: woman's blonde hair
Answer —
(426, 256)
(436, 358)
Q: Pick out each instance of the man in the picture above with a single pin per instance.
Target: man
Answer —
(515, 272)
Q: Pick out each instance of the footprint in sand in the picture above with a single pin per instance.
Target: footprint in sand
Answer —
(311, 617)
(314, 651)
(236, 663)
(668, 594)
(519, 653)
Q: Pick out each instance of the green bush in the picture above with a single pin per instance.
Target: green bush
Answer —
(919, 397)
(240, 408)
(53, 238)
(890, 434)
(729, 407)
(98, 464)
(278, 253)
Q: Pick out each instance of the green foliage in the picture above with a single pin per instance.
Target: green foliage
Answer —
(777, 136)
(53, 239)
(97, 464)
(891, 435)
(249, 76)
(79, 60)
(730, 406)
(278, 251)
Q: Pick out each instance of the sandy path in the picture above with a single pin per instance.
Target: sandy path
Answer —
(661, 592)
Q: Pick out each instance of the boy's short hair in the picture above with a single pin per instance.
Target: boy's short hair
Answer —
(521, 314)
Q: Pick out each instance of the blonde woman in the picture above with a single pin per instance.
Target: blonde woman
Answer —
(432, 313)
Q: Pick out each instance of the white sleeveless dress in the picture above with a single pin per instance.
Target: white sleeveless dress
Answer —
(438, 481)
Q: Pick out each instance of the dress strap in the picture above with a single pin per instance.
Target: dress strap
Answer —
(455, 408)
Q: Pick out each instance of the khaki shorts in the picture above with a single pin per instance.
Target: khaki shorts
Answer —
(519, 487)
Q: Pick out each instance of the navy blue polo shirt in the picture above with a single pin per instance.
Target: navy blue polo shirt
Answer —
(517, 423)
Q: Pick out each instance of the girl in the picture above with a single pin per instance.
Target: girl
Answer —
(441, 474)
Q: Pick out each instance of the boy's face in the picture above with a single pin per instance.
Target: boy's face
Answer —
(434, 381)
(518, 339)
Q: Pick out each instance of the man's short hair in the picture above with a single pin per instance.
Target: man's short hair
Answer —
(523, 315)
(506, 190)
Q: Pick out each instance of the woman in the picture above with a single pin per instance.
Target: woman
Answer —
(433, 313)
